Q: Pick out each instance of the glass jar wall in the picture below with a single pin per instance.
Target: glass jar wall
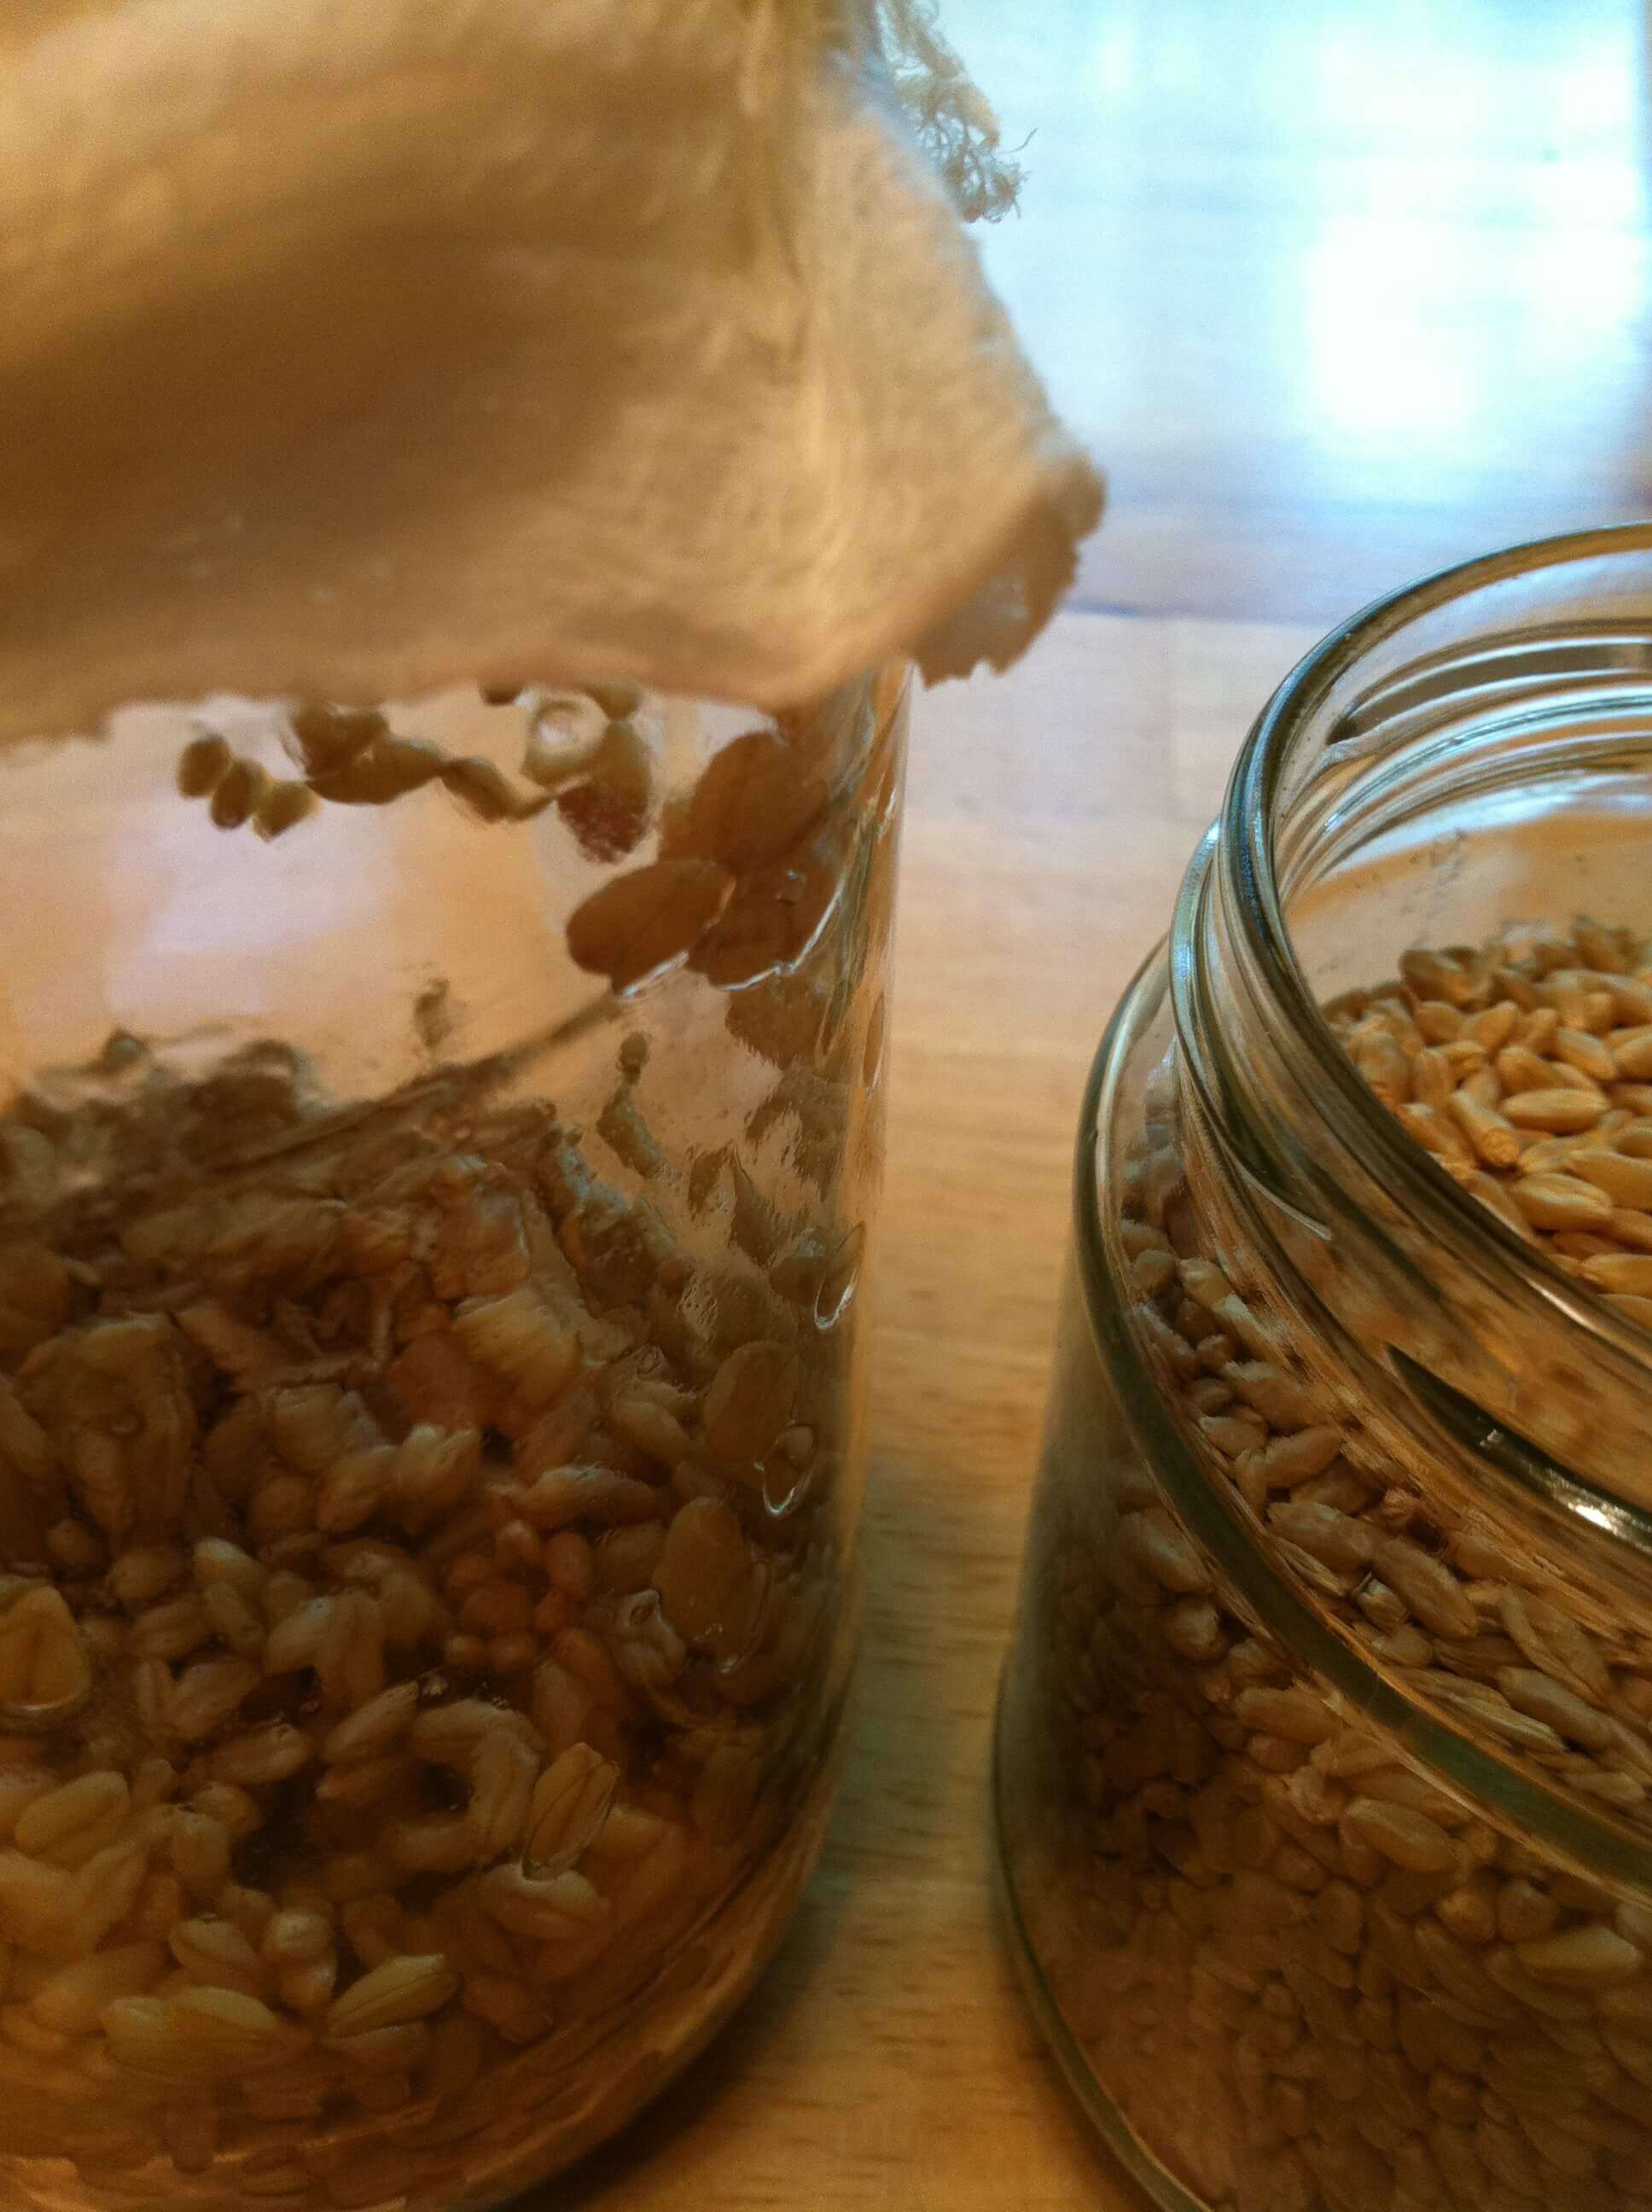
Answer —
(439, 1155)
(1324, 1750)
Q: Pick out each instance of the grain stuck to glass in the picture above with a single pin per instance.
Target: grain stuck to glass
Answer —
(427, 1520)
(1313, 1969)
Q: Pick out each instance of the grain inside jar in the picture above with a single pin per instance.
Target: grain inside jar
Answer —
(1251, 1902)
(426, 1547)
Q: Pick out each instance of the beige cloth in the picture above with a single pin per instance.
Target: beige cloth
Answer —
(353, 347)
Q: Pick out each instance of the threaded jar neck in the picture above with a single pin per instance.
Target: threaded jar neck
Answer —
(1472, 751)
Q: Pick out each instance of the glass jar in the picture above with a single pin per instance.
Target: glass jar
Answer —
(1324, 1750)
(437, 1164)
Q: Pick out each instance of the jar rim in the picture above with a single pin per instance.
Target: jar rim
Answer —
(1241, 846)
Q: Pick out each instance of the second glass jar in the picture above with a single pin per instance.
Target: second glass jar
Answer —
(1324, 1752)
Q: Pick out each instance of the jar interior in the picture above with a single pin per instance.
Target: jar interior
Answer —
(1452, 768)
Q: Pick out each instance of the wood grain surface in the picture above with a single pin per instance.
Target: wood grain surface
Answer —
(1339, 293)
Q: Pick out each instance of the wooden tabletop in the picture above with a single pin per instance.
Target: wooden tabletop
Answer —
(1338, 294)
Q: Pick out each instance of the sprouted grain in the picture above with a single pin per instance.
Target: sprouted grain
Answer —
(403, 1638)
(420, 1578)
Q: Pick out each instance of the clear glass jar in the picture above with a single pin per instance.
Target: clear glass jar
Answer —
(1325, 1746)
(438, 1165)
